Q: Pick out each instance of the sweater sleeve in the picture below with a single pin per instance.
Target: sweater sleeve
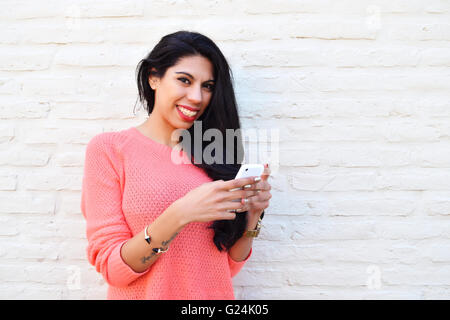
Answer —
(101, 205)
(236, 266)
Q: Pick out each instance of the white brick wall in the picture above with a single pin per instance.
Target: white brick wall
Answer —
(359, 91)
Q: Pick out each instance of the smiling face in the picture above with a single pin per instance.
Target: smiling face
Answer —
(184, 92)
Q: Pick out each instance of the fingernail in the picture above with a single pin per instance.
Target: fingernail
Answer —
(247, 186)
(257, 179)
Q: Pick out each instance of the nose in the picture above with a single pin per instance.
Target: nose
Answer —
(195, 95)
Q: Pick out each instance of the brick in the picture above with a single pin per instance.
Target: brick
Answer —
(252, 277)
(330, 28)
(115, 8)
(433, 275)
(395, 131)
(30, 203)
(326, 275)
(6, 134)
(372, 206)
(33, 252)
(407, 229)
(8, 182)
(73, 250)
(437, 207)
(421, 31)
(92, 110)
(415, 180)
(24, 158)
(439, 252)
(438, 292)
(8, 228)
(24, 109)
(309, 182)
(70, 205)
(62, 87)
(25, 291)
(37, 227)
(52, 182)
(349, 251)
(55, 135)
(100, 55)
(292, 204)
(70, 159)
(9, 86)
(432, 155)
(306, 157)
(435, 57)
(331, 229)
(25, 59)
(360, 155)
(330, 132)
(19, 9)
(333, 182)
(12, 273)
(72, 228)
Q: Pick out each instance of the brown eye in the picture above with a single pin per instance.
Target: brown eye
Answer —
(182, 79)
(209, 86)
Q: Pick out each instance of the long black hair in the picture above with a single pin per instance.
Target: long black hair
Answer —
(221, 114)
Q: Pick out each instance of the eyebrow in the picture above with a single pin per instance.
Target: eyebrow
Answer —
(190, 75)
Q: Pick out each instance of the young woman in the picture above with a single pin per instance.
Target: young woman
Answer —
(157, 229)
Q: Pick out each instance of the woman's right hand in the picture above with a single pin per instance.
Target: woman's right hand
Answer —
(214, 200)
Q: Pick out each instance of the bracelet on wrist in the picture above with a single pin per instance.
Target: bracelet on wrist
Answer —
(148, 238)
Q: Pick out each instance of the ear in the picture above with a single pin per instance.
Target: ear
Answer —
(153, 80)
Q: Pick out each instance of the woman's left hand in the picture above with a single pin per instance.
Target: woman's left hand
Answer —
(256, 204)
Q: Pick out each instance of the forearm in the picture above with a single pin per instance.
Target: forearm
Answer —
(241, 249)
(138, 254)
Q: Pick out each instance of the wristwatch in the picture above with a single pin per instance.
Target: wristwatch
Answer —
(255, 232)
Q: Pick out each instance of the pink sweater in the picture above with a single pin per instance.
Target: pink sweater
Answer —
(129, 180)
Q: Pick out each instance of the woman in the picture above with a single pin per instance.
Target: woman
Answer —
(163, 230)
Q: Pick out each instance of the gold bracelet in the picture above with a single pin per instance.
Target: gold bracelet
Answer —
(255, 232)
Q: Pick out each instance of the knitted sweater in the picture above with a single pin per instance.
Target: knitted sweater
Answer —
(129, 180)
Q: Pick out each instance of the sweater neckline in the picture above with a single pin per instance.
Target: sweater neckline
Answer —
(149, 140)
(163, 148)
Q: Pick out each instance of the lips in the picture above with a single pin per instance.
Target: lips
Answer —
(187, 113)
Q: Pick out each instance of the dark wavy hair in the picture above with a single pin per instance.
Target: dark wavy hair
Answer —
(221, 114)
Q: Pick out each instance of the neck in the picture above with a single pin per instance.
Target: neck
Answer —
(159, 130)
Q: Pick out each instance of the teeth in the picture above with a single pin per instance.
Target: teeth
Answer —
(187, 112)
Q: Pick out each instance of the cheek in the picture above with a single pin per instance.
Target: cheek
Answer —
(178, 91)
(172, 93)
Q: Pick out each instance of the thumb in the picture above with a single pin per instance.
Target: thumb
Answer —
(266, 172)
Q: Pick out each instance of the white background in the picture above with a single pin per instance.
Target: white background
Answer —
(359, 91)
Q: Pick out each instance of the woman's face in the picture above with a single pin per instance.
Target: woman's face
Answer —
(184, 92)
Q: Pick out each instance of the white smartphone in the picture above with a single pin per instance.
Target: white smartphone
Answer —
(249, 170)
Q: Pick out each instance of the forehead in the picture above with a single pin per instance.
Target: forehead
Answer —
(198, 66)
